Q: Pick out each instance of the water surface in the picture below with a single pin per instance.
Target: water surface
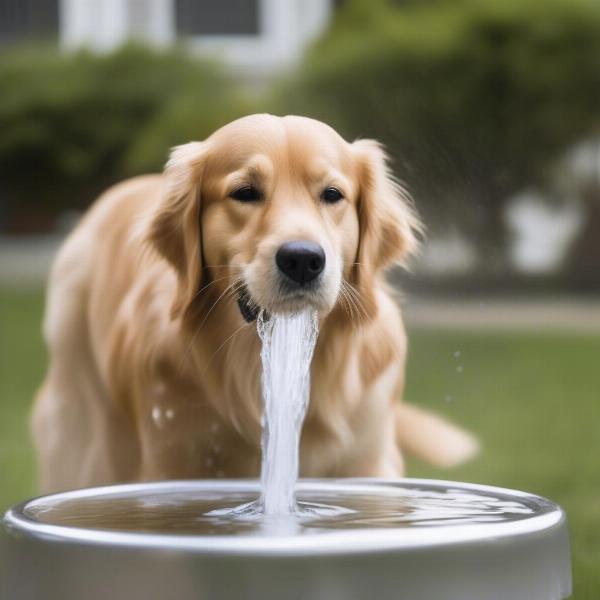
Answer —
(209, 509)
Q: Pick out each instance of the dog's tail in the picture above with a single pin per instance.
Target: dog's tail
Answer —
(431, 438)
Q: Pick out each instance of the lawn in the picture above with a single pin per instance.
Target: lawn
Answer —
(533, 398)
(534, 401)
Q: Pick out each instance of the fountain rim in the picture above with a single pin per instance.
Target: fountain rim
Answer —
(331, 543)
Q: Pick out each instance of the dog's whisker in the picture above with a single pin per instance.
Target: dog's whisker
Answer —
(353, 311)
(208, 285)
(344, 301)
(240, 267)
(345, 304)
(223, 294)
(227, 340)
(229, 291)
(356, 309)
(353, 308)
(356, 294)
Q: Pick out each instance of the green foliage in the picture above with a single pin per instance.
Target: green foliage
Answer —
(475, 99)
(72, 124)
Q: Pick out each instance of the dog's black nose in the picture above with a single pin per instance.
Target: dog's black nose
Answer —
(301, 261)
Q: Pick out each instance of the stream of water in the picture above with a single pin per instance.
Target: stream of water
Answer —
(288, 343)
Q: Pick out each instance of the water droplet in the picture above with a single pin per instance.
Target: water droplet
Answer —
(209, 462)
(157, 416)
(457, 354)
(448, 398)
(169, 413)
(459, 369)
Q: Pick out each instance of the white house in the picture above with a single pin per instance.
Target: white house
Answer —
(257, 36)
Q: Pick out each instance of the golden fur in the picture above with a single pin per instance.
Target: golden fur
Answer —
(154, 373)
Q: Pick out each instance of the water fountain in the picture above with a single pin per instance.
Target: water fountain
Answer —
(320, 539)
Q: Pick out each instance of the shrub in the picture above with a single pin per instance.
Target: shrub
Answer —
(73, 123)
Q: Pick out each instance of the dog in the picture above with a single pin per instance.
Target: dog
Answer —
(154, 368)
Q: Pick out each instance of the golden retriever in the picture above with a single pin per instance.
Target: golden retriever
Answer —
(154, 366)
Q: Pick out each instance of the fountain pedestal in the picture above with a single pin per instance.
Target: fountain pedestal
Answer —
(414, 539)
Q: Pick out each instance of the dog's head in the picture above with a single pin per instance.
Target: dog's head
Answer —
(281, 213)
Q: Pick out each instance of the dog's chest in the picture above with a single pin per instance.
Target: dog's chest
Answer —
(198, 433)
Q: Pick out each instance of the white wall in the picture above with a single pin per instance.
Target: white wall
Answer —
(100, 25)
(287, 27)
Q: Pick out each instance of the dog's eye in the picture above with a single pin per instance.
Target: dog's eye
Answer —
(246, 193)
(331, 195)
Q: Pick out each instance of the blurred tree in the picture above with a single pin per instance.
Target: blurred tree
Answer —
(475, 99)
(72, 124)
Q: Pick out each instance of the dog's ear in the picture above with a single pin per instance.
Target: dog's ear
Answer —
(175, 227)
(388, 225)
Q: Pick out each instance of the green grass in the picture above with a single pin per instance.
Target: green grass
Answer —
(533, 399)
(22, 363)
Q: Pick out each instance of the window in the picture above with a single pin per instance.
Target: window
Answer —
(217, 17)
(26, 19)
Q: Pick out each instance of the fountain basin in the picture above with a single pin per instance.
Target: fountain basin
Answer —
(354, 539)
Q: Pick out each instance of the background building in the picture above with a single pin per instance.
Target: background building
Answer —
(260, 37)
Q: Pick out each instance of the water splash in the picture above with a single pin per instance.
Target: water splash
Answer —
(288, 343)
